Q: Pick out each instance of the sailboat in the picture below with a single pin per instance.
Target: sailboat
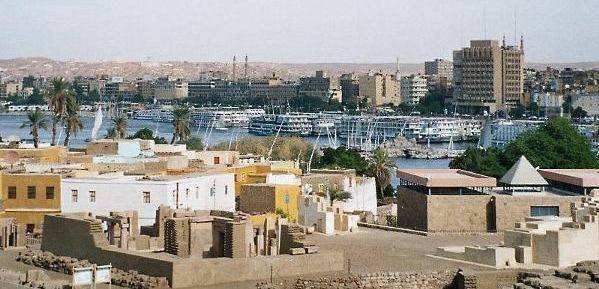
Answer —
(97, 124)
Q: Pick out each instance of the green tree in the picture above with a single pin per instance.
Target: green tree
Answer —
(517, 111)
(28, 81)
(119, 127)
(342, 157)
(555, 144)
(72, 121)
(36, 120)
(147, 134)
(93, 96)
(336, 194)
(579, 113)
(489, 162)
(379, 169)
(79, 93)
(195, 143)
(36, 97)
(57, 102)
(181, 124)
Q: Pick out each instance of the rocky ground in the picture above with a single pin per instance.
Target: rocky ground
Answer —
(389, 280)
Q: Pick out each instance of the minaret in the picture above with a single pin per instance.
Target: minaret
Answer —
(397, 68)
(245, 67)
(503, 41)
(234, 67)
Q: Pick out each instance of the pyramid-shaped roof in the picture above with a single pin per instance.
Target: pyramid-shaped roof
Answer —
(522, 173)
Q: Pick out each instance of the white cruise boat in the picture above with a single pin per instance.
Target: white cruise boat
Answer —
(225, 117)
(294, 124)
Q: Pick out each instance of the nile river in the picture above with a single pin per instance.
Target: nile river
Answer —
(10, 123)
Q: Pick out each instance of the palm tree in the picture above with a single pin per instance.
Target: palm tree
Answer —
(119, 125)
(336, 194)
(36, 119)
(379, 167)
(181, 124)
(57, 98)
(72, 120)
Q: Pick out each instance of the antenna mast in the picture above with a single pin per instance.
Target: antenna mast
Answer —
(245, 67)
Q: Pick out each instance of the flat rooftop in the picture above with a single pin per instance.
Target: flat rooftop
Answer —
(446, 178)
(578, 177)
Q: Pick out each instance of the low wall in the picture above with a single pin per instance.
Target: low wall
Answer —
(512, 209)
(226, 270)
(70, 236)
(470, 213)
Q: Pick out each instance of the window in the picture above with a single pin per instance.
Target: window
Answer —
(212, 191)
(12, 192)
(187, 194)
(92, 196)
(321, 188)
(146, 196)
(30, 192)
(29, 228)
(226, 189)
(49, 193)
(74, 196)
(216, 160)
(538, 211)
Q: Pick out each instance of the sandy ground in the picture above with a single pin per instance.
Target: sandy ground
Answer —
(367, 251)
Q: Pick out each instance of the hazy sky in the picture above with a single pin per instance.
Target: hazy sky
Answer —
(293, 31)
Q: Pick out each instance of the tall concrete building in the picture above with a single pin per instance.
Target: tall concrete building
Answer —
(488, 77)
(439, 67)
(413, 89)
(318, 85)
(379, 89)
(350, 88)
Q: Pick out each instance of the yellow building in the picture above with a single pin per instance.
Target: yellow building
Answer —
(55, 154)
(257, 173)
(267, 198)
(28, 197)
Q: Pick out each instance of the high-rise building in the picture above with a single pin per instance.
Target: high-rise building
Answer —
(379, 89)
(439, 68)
(488, 77)
(413, 89)
(318, 85)
(350, 88)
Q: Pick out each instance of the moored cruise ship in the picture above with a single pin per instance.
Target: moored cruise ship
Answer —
(368, 132)
(294, 124)
(225, 116)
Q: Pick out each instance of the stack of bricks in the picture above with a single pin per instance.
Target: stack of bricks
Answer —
(293, 241)
(95, 229)
(235, 242)
(176, 236)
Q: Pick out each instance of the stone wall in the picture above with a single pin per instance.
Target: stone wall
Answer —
(470, 213)
(512, 209)
(225, 270)
(72, 235)
(467, 213)
(411, 210)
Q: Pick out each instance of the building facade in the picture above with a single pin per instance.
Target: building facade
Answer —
(488, 77)
(379, 89)
(350, 88)
(100, 195)
(413, 89)
(27, 197)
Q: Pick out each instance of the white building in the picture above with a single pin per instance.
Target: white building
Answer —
(550, 104)
(361, 189)
(413, 89)
(588, 102)
(101, 195)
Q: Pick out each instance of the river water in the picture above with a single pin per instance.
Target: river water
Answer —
(10, 125)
